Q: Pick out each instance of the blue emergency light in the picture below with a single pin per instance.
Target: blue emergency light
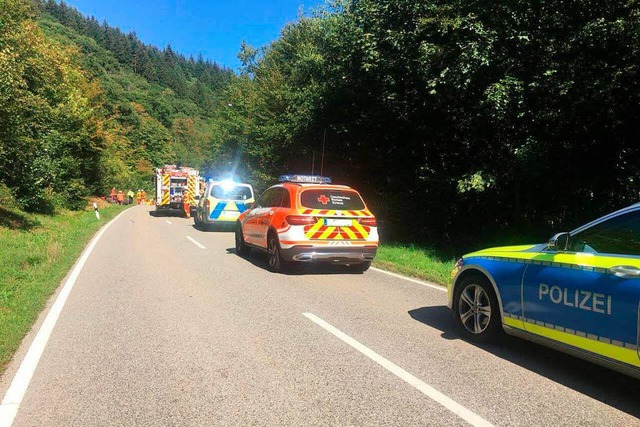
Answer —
(305, 179)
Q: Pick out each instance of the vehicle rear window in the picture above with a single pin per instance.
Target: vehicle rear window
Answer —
(331, 199)
(236, 193)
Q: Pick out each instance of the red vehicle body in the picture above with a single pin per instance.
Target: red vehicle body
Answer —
(309, 222)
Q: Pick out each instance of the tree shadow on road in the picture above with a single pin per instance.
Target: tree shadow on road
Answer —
(259, 259)
(607, 386)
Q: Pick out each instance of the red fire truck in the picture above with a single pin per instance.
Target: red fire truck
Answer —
(177, 189)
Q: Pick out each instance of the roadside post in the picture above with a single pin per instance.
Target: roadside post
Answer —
(95, 209)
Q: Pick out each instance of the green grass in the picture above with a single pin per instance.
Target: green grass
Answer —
(36, 252)
(414, 261)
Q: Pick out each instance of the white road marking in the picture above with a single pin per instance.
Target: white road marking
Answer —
(14, 395)
(419, 282)
(168, 222)
(451, 405)
(196, 243)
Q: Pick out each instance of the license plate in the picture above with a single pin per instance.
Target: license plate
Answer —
(338, 222)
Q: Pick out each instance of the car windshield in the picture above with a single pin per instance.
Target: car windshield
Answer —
(331, 199)
(239, 192)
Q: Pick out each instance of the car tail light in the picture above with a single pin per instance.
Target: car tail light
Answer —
(207, 205)
(301, 220)
(370, 222)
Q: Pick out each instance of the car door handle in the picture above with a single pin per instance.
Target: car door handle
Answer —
(625, 271)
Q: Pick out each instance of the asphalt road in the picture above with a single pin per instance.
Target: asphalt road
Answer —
(161, 331)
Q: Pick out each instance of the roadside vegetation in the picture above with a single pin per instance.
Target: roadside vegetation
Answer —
(415, 261)
(459, 121)
(36, 252)
(85, 107)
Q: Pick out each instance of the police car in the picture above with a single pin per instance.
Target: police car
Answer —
(222, 202)
(578, 293)
(307, 219)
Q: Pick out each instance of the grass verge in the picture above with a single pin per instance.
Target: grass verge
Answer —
(36, 252)
(414, 261)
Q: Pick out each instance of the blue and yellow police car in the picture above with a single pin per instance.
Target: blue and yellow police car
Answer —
(222, 202)
(578, 293)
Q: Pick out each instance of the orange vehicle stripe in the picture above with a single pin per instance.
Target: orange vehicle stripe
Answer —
(309, 231)
(349, 232)
(327, 243)
(361, 229)
(327, 232)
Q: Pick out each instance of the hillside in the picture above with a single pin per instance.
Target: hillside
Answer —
(143, 106)
(161, 98)
(497, 123)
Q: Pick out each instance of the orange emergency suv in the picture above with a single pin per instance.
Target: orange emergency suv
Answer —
(307, 219)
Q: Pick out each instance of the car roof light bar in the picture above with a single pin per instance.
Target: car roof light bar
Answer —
(305, 179)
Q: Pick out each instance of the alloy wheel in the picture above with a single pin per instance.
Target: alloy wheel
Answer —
(474, 309)
(273, 252)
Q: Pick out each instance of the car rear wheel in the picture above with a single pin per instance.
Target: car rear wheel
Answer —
(360, 268)
(274, 259)
(241, 247)
(476, 309)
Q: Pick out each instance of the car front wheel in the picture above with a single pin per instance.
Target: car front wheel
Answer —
(477, 311)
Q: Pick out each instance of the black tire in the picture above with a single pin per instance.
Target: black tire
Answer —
(275, 264)
(476, 309)
(197, 223)
(360, 268)
(241, 247)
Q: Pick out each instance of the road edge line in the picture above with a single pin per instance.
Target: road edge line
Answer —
(419, 282)
(21, 379)
(450, 404)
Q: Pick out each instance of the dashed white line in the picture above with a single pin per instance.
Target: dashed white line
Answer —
(168, 222)
(196, 243)
(14, 395)
(464, 413)
(419, 282)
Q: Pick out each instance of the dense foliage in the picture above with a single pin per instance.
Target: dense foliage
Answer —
(458, 119)
(84, 107)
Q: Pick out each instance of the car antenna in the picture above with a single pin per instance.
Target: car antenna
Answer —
(324, 139)
(313, 161)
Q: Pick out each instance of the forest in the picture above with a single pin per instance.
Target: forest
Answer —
(461, 122)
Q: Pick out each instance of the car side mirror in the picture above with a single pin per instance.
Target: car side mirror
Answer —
(559, 242)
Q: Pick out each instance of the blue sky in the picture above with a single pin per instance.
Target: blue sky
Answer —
(214, 27)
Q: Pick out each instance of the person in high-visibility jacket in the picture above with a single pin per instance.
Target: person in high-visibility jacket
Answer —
(120, 197)
(139, 196)
(130, 196)
(186, 208)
